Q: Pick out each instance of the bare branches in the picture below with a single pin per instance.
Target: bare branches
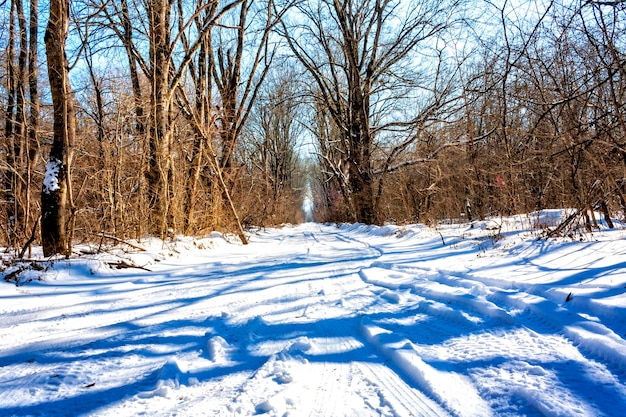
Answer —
(353, 51)
(431, 156)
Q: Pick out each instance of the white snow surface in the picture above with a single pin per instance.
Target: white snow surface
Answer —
(324, 320)
(51, 177)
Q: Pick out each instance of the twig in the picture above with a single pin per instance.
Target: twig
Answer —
(30, 240)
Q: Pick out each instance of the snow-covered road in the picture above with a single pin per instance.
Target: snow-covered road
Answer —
(317, 320)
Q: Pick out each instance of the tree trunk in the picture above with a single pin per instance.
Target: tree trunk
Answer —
(9, 129)
(127, 40)
(203, 100)
(32, 144)
(15, 125)
(159, 135)
(20, 125)
(55, 195)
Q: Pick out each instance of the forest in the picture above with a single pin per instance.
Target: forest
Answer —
(126, 118)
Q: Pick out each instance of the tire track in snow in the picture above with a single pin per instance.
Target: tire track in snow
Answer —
(403, 399)
(379, 386)
(17, 378)
(539, 314)
(593, 339)
(597, 351)
(447, 310)
(390, 379)
(475, 303)
(452, 390)
(435, 320)
(332, 379)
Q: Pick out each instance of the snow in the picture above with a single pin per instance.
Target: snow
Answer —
(323, 320)
(51, 177)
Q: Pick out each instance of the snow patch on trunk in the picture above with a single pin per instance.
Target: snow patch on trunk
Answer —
(51, 177)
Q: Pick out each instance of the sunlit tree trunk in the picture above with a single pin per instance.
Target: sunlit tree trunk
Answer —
(159, 131)
(56, 193)
(202, 106)
(9, 128)
(16, 125)
(32, 144)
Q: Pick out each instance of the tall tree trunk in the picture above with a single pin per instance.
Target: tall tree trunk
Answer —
(9, 129)
(56, 193)
(159, 135)
(360, 140)
(127, 40)
(157, 174)
(32, 144)
(203, 100)
(20, 125)
(15, 125)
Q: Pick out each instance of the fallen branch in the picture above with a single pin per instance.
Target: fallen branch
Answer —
(125, 265)
(565, 223)
(14, 276)
(118, 240)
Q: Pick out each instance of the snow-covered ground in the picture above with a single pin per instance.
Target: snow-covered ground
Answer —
(320, 320)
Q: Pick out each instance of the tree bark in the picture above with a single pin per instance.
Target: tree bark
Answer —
(127, 40)
(9, 129)
(159, 131)
(202, 108)
(15, 125)
(55, 195)
(33, 137)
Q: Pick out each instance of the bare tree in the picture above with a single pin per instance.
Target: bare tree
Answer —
(166, 75)
(240, 58)
(20, 141)
(16, 124)
(56, 196)
(199, 111)
(357, 52)
(238, 55)
(12, 143)
(32, 144)
(126, 22)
